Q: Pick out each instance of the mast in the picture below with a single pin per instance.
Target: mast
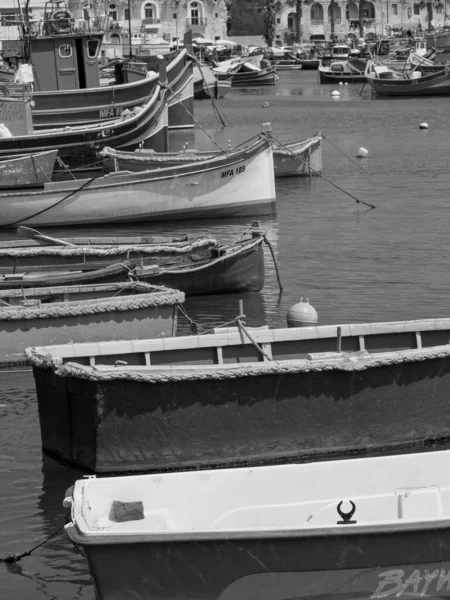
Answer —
(129, 27)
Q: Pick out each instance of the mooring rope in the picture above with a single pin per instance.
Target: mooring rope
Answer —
(346, 155)
(207, 90)
(40, 212)
(179, 97)
(357, 200)
(12, 558)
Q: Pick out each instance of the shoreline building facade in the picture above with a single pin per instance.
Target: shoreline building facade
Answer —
(382, 17)
(153, 20)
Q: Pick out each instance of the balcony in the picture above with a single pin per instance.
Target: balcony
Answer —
(317, 22)
(151, 21)
(196, 22)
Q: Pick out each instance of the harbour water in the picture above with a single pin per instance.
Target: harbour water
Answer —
(354, 264)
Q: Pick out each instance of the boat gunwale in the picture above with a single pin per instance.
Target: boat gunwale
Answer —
(159, 174)
(235, 338)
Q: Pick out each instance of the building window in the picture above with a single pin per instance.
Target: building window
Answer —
(148, 11)
(195, 15)
(416, 9)
(126, 14)
(113, 12)
(394, 9)
(291, 21)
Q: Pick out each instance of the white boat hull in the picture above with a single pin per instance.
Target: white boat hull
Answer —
(239, 187)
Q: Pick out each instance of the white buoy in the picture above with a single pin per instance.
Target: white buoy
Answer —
(362, 152)
(265, 104)
(340, 83)
(346, 83)
(423, 126)
(302, 314)
(335, 93)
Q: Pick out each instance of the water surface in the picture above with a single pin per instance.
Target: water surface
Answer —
(354, 264)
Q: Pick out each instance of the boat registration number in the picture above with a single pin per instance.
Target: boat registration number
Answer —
(232, 172)
(108, 113)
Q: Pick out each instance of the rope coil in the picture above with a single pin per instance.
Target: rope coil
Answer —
(108, 250)
(161, 297)
(342, 363)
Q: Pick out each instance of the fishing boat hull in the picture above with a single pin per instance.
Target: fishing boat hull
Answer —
(216, 89)
(434, 84)
(148, 126)
(299, 158)
(95, 105)
(370, 529)
(28, 169)
(266, 76)
(327, 76)
(238, 269)
(292, 399)
(83, 312)
(289, 160)
(236, 185)
(309, 64)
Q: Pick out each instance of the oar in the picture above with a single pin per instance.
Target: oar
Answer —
(37, 235)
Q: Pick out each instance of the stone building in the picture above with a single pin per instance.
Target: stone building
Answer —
(155, 19)
(379, 16)
(11, 15)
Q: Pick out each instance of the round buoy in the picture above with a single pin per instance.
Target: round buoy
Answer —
(302, 314)
(340, 83)
(160, 57)
(362, 153)
(32, 104)
(346, 83)
(335, 93)
(265, 104)
(423, 126)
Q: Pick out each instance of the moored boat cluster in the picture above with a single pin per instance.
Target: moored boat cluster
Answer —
(217, 446)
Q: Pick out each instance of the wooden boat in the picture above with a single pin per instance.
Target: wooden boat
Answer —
(351, 71)
(84, 313)
(67, 88)
(42, 252)
(245, 72)
(287, 395)
(29, 169)
(238, 184)
(207, 85)
(146, 124)
(371, 528)
(201, 268)
(232, 268)
(291, 159)
(386, 82)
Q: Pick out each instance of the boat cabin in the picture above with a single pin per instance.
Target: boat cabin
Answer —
(65, 61)
(62, 58)
(340, 51)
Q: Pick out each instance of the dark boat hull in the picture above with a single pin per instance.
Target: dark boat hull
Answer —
(434, 84)
(242, 270)
(259, 416)
(329, 77)
(266, 76)
(345, 565)
(216, 89)
(95, 105)
(149, 128)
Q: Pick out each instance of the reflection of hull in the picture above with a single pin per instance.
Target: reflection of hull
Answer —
(239, 184)
(215, 89)
(272, 533)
